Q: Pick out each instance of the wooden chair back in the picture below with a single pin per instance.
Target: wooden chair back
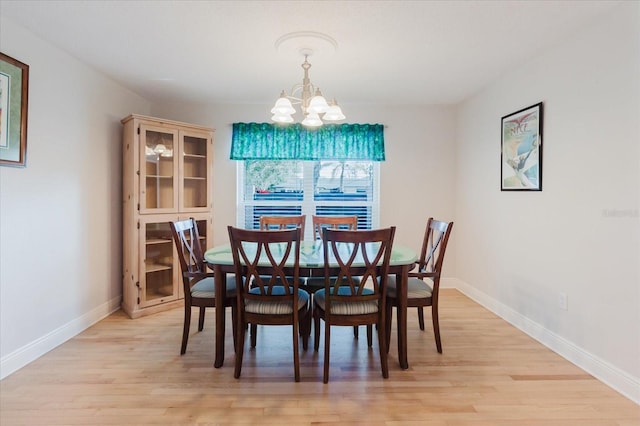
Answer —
(269, 223)
(190, 254)
(260, 259)
(434, 246)
(363, 260)
(334, 222)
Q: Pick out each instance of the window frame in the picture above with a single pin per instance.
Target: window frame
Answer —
(308, 203)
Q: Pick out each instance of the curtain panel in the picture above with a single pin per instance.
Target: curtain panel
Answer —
(267, 141)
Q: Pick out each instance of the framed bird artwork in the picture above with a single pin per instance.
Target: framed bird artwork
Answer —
(521, 150)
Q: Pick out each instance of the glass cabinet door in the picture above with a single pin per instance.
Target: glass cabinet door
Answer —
(159, 277)
(196, 171)
(158, 170)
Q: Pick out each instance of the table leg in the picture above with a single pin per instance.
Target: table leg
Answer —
(220, 286)
(402, 279)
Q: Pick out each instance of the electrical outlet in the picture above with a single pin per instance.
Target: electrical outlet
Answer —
(563, 301)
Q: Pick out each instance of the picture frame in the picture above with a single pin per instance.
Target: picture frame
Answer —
(521, 150)
(14, 98)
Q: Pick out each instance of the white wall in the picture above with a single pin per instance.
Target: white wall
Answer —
(60, 217)
(517, 251)
(417, 178)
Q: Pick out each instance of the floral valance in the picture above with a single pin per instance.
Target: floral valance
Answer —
(267, 141)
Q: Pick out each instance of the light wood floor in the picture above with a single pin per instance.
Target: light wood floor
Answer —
(124, 371)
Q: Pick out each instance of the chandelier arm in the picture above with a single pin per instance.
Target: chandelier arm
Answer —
(299, 88)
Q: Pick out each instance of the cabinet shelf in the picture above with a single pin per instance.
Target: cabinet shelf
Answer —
(159, 177)
(156, 267)
(194, 157)
(160, 292)
(195, 178)
(159, 241)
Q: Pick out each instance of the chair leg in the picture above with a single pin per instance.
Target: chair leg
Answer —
(421, 318)
(370, 335)
(296, 355)
(316, 329)
(327, 345)
(382, 343)
(305, 328)
(234, 324)
(185, 330)
(239, 350)
(436, 327)
(254, 337)
(355, 331)
(201, 319)
(309, 322)
(389, 322)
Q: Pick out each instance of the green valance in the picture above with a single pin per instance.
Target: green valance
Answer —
(267, 141)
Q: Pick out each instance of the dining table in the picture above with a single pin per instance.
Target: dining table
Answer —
(220, 260)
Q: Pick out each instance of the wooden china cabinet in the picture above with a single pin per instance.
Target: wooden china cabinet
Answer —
(167, 176)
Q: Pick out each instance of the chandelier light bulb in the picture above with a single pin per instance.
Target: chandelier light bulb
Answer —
(283, 106)
(282, 118)
(312, 120)
(334, 113)
(318, 104)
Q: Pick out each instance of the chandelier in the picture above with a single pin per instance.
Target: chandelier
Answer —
(315, 108)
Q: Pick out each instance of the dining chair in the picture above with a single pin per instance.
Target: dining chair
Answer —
(419, 292)
(268, 223)
(349, 223)
(274, 223)
(197, 281)
(347, 301)
(268, 266)
(319, 224)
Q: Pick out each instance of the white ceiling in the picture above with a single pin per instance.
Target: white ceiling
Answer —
(388, 52)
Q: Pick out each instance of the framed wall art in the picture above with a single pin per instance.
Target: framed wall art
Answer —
(14, 96)
(521, 153)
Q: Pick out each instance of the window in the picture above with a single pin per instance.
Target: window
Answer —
(292, 170)
(320, 187)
